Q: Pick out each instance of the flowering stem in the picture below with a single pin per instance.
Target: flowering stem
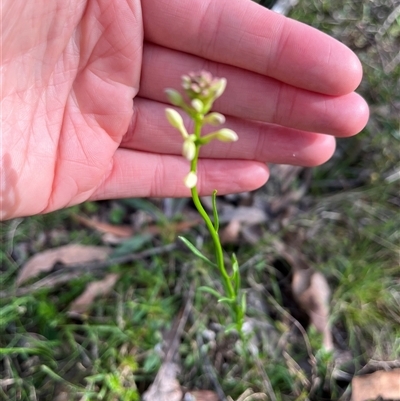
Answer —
(227, 283)
(203, 89)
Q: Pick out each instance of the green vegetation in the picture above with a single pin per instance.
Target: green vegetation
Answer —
(347, 226)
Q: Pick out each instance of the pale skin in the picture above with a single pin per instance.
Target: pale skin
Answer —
(83, 103)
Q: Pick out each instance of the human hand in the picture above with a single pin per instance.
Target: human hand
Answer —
(71, 132)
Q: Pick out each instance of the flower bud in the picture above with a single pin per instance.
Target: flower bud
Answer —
(174, 118)
(190, 180)
(189, 148)
(214, 118)
(198, 105)
(219, 87)
(226, 135)
(186, 81)
(223, 135)
(174, 97)
(176, 121)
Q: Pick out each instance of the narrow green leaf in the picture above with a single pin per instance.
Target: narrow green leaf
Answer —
(215, 211)
(226, 300)
(132, 245)
(230, 327)
(244, 303)
(210, 291)
(197, 252)
(235, 263)
(51, 373)
(20, 350)
(236, 274)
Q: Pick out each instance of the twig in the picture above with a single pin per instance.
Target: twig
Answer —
(388, 22)
(374, 365)
(389, 66)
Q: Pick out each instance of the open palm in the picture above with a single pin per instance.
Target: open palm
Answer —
(82, 97)
(71, 72)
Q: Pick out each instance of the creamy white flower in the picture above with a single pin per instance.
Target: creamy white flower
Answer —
(190, 180)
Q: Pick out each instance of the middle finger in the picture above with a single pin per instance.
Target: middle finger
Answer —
(252, 96)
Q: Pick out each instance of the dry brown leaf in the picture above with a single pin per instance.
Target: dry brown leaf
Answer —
(311, 291)
(230, 233)
(239, 219)
(172, 227)
(165, 386)
(117, 237)
(62, 396)
(201, 395)
(111, 239)
(247, 215)
(69, 254)
(121, 231)
(92, 291)
(379, 384)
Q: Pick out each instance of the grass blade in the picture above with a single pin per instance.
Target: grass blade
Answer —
(197, 252)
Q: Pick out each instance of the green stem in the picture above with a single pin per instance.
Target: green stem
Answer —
(214, 234)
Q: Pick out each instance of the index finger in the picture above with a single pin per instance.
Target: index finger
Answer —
(246, 35)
